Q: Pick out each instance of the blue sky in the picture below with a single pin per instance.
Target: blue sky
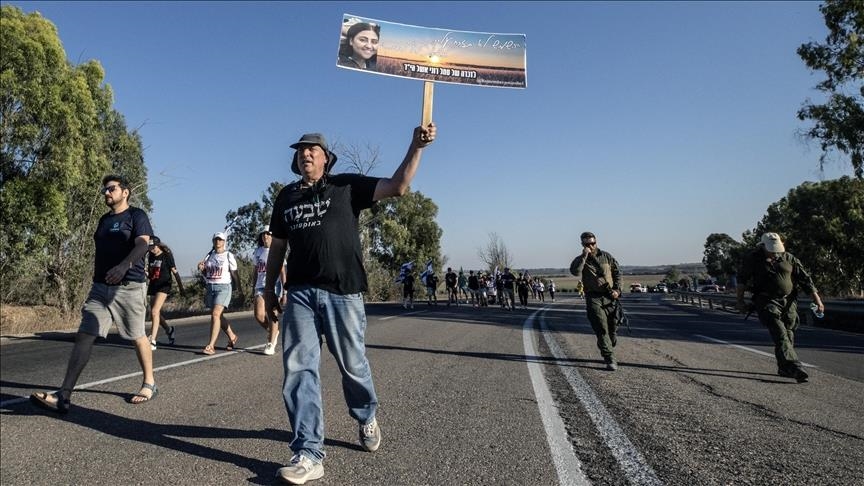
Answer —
(650, 124)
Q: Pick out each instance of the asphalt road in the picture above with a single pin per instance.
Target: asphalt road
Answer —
(467, 396)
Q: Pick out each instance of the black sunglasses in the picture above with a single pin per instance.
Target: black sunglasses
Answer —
(110, 188)
(592, 243)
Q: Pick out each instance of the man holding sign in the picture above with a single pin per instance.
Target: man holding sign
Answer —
(317, 218)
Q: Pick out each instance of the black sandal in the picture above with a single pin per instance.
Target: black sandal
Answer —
(154, 391)
(171, 336)
(60, 405)
(232, 345)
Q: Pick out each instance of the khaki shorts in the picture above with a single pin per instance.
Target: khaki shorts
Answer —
(124, 305)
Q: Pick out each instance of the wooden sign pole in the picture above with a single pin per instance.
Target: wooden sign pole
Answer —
(427, 103)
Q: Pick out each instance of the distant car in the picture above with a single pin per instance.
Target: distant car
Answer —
(637, 288)
(661, 288)
(710, 288)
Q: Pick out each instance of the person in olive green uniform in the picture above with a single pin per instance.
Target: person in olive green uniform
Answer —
(601, 280)
(774, 278)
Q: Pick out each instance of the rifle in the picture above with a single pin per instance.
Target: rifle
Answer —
(620, 315)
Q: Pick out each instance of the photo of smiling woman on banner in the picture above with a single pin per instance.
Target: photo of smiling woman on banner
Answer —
(358, 48)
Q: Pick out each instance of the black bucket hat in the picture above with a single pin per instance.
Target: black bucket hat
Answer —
(312, 139)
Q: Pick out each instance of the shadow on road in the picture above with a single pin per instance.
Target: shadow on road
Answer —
(171, 436)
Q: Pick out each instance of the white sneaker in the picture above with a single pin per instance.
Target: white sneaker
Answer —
(370, 436)
(300, 470)
(270, 349)
(153, 345)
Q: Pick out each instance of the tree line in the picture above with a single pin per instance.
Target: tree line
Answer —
(821, 223)
(60, 136)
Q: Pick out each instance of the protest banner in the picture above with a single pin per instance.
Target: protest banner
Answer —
(432, 55)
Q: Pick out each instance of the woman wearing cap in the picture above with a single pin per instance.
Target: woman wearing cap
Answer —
(218, 268)
(160, 269)
(259, 259)
(359, 49)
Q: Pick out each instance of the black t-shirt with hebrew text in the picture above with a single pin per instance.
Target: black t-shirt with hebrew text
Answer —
(321, 227)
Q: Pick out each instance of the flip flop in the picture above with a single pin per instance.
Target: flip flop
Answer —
(40, 399)
(208, 350)
(232, 344)
(154, 392)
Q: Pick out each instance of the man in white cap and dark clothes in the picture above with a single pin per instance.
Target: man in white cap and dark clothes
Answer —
(317, 217)
(774, 279)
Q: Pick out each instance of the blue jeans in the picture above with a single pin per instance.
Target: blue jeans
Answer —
(309, 313)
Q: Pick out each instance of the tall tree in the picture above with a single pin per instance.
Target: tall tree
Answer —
(822, 223)
(838, 123)
(404, 229)
(721, 256)
(358, 159)
(495, 253)
(58, 137)
(247, 221)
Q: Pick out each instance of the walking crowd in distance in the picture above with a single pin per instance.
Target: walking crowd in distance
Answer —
(480, 289)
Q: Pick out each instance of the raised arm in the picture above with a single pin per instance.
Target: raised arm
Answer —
(576, 266)
(398, 184)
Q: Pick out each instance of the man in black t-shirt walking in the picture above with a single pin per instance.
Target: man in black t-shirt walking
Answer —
(317, 218)
(450, 282)
(118, 294)
(474, 287)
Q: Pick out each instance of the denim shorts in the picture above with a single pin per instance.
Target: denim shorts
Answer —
(259, 291)
(124, 305)
(217, 294)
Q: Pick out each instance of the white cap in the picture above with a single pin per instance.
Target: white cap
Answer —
(773, 243)
(220, 235)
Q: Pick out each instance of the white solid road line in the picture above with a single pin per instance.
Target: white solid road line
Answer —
(567, 465)
(633, 464)
(15, 401)
(745, 348)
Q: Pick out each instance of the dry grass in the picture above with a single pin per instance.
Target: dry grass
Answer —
(22, 320)
(41, 318)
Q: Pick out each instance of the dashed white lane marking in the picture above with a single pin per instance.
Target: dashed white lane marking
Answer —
(633, 464)
(567, 465)
(15, 401)
(745, 348)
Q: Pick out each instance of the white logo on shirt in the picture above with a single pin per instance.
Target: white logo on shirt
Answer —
(306, 215)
